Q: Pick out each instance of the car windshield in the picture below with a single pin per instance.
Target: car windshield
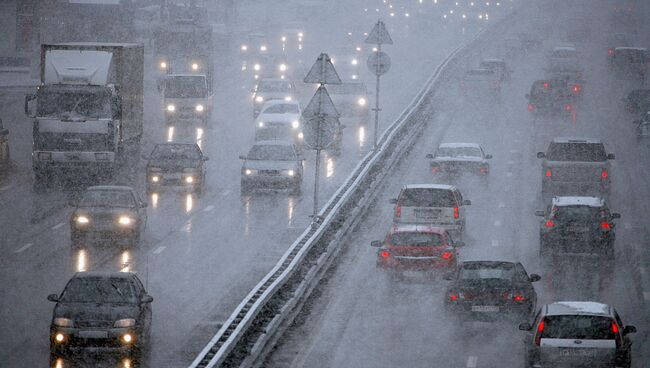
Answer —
(274, 87)
(485, 271)
(68, 103)
(108, 198)
(272, 152)
(427, 197)
(583, 327)
(98, 290)
(186, 87)
(347, 89)
(568, 214)
(415, 239)
(175, 152)
(458, 152)
(282, 109)
(572, 151)
(563, 53)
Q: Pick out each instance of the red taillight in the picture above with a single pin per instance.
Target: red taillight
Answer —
(576, 88)
(614, 327)
(538, 336)
(518, 298)
(456, 214)
(531, 107)
(568, 107)
(549, 223)
(398, 211)
(384, 254)
(548, 173)
(545, 84)
(605, 225)
(447, 255)
(453, 296)
(434, 169)
(617, 336)
(604, 174)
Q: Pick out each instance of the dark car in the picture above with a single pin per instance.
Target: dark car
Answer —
(577, 225)
(491, 290)
(638, 101)
(630, 63)
(416, 250)
(550, 97)
(176, 165)
(108, 213)
(108, 312)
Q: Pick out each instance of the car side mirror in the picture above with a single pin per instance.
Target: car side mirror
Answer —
(540, 213)
(616, 215)
(53, 298)
(146, 299)
(533, 277)
(458, 244)
(449, 276)
(488, 156)
(144, 205)
(541, 155)
(467, 202)
(611, 156)
(525, 326)
(430, 156)
(376, 244)
(242, 157)
(629, 330)
(393, 200)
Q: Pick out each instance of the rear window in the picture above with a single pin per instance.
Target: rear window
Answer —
(415, 239)
(578, 327)
(572, 151)
(486, 271)
(425, 197)
(568, 214)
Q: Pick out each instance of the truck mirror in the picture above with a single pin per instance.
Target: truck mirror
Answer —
(541, 155)
(525, 326)
(611, 156)
(534, 277)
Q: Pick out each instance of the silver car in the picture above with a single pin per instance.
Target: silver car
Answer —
(576, 335)
(272, 164)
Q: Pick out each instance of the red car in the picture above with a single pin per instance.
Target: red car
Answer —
(416, 250)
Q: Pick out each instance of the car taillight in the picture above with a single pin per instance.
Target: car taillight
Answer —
(456, 214)
(434, 169)
(384, 254)
(447, 255)
(610, 52)
(518, 298)
(576, 88)
(604, 174)
(548, 173)
(398, 211)
(549, 223)
(538, 335)
(605, 225)
(531, 107)
(617, 335)
(546, 85)
(453, 296)
(483, 170)
(568, 107)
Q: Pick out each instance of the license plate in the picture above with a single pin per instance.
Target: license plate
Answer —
(410, 274)
(93, 334)
(427, 214)
(485, 308)
(578, 352)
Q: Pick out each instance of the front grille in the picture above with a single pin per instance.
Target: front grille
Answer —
(94, 324)
(269, 172)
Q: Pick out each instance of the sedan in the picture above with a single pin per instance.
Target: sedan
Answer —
(458, 158)
(275, 164)
(176, 165)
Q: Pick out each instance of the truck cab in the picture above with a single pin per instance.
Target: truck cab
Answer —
(187, 99)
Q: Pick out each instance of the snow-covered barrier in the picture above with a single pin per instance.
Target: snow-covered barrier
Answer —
(258, 321)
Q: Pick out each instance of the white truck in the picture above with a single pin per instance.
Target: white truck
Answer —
(87, 110)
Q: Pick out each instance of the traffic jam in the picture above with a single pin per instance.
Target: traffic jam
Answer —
(162, 166)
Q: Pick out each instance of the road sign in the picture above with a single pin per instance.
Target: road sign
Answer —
(321, 121)
(379, 35)
(379, 63)
(323, 72)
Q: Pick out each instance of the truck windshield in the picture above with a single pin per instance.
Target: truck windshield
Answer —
(74, 103)
(272, 153)
(186, 87)
(584, 152)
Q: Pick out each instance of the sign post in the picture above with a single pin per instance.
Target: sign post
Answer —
(321, 120)
(378, 63)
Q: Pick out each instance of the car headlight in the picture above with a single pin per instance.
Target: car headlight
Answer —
(260, 124)
(250, 171)
(189, 179)
(283, 67)
(124, 220)
(295, 124)
(263, 48)
(300, 135)
(290, 172)
(199, 107)
(163, 65)
(288, 98)
(155, 179)
(195, 66)
(126, 322)
(63, 322)
(354, 62)
(257, 67)
(82, 220)
(259, 99)
(127, 338)
(244, 48)
(362, 101)
(171, 108)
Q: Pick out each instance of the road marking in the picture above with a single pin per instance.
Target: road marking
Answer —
(502, 205)
(226, 192)
(60, 224)
(508, 174)
(23, 248)
(471, 361)
(5, 188)
(159, 249)
(186, 227)
(208, 208)
(495, 243)
(497, 223)
(646, 295)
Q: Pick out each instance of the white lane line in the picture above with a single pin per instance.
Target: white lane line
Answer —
(495, 243)
(508, 174)
(646, 295)
(226, 192)
(60, 224)
(502, 205)
(208, 208)
(23, 248)
(159, 249)
(471, 361)
(497, 223)
(5, 188)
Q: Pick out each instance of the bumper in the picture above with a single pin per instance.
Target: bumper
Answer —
(127, 235)
(263, 181)
(488, 313)
(174, 181)
(576, 188)
(108, 340)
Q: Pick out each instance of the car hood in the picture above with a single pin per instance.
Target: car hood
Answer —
(174, 165)
(270, 165)
(105, 211)
(80, 312)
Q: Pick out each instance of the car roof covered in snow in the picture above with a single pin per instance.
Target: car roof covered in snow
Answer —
(578, 201)
(413, 228)
(578, 308)
(459, 145)
(429, 186)
(576, 140)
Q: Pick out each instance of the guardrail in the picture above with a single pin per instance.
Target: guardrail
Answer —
(244, 335)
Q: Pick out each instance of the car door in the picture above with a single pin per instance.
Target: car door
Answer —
(459, 204)
(523, 281)
(145, 308)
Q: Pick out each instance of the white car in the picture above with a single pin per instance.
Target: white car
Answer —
(458, 158)
(279, 120)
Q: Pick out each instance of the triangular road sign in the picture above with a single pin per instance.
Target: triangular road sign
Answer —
(321, 105)
(379, 35)
(323, 72)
